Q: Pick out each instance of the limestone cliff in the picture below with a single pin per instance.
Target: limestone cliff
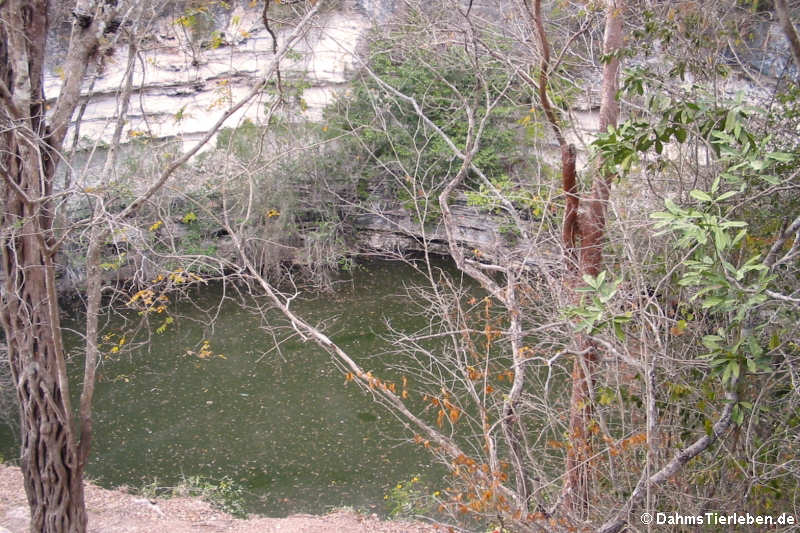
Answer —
(186, 75)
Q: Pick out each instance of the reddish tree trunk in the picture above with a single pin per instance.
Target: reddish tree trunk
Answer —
(591, 230)
(570, 230)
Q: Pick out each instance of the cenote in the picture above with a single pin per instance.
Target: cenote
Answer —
(282, 424)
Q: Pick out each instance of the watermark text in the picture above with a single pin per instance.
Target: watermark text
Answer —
(713, 518)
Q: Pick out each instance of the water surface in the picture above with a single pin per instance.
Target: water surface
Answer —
(281, 424)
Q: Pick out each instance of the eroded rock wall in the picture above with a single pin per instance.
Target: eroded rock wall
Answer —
(185, 79)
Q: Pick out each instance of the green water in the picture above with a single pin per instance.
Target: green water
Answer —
(282, 425)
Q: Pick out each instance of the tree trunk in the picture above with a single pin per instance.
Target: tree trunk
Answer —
(49, 454)
(29, 312)
(591, 229)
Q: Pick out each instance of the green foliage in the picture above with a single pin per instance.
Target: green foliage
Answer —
(244, 141)
(747, 157)
(189, 217)
(388, 139)
(198, 19)
(522, 198)
(216, 40)
(163, 327)
(724, 286)
(196, 239)
(719, 231)
(115, 263)
(151, 490)
(725, 281)
(291, 212)
(407, 499)
(223, 494)
(593, 313)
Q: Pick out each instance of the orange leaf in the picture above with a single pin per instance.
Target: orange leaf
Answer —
(454, 415)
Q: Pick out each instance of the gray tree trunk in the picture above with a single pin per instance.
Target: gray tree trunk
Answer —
(52, 458)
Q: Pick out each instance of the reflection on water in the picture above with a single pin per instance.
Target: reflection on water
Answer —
(284, 426)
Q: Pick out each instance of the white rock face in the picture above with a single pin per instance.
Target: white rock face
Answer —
(182, 85)
(181, 88)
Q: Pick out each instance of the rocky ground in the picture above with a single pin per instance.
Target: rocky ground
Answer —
(114, 511)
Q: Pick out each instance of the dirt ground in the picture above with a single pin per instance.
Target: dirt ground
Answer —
(113, 511)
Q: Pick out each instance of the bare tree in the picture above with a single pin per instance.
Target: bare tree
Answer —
(55, 446)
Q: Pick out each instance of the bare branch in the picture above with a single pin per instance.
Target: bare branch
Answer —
(680, 459)
(772, 256)
(291, 39)
(782, 10)
(8, 99)
(83, 45)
